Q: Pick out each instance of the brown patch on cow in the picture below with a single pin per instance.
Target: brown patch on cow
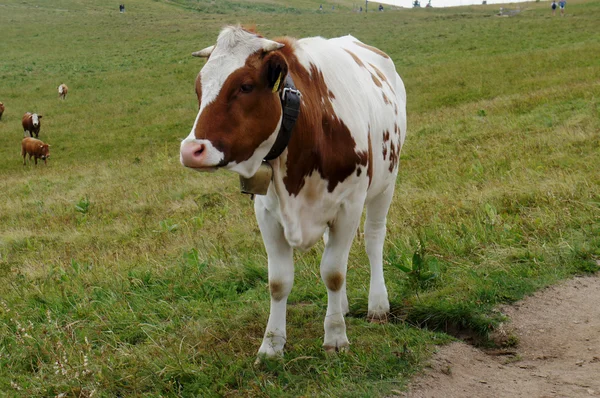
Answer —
(321, 141)
(276, 288)
(370, 165)
(334, 281)
(355, 58)
(331, 95)
(386, 138)
(394, 152)
(375, 50)
(385, 98)
(376, 81)
(382, 77)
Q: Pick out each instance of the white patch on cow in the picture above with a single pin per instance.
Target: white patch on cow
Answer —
(60, 89)
(35, 120)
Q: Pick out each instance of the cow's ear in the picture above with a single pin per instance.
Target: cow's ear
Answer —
(275, 69)
(39, 116)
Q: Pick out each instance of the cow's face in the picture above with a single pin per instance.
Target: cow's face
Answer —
(44, 151)
(239, 108)
(35, 119)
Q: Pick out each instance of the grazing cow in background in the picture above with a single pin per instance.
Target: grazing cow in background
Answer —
(342, 154)
(1, 110)
(36, 148)
(62, 91)
(31, 123)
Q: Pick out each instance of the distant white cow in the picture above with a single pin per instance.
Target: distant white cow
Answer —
(341, 155)
(62, 91)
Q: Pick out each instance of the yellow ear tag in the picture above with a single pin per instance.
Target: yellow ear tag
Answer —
(276, 86)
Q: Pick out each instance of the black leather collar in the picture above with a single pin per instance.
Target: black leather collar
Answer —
(290, 105)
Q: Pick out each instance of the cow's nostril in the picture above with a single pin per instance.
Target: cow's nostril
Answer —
(199, 151)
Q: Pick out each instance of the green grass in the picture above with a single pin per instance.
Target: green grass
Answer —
(123, 274)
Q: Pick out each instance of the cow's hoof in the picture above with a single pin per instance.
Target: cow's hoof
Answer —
(330, 349)
(262, 358)
(378, 317)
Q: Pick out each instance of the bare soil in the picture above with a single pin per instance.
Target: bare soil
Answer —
(557, 354)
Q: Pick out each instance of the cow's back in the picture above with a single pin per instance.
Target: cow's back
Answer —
(367, 94)
(26, 121)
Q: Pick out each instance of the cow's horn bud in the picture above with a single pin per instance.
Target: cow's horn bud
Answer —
(204, 53)
(271, 45)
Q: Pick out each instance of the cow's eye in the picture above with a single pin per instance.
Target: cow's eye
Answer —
(246, 88)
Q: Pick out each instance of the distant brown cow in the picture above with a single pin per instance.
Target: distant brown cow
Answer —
(31, 123)
(36, 148)
(62, 91)
(1, 110)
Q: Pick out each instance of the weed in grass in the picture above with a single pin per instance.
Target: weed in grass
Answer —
(83, 205)
(422, 270)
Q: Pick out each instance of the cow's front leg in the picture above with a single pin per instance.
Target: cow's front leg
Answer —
(333, 272)
(281, 279)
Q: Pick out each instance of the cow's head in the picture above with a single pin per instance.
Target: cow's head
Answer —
(44, 151)
(35, 119)
(239, 108)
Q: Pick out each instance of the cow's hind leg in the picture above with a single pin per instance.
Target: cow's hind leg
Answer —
(281, 279)
(375, 228)
(333, 271)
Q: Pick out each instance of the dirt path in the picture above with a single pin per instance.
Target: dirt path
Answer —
(558, 354)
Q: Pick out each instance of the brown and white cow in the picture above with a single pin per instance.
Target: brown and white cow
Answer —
(1, 110)
(342, 155)
(31, 124)
(62, 91)
(34, 148)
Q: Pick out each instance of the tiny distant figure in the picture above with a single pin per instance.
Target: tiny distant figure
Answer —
(1, 110)
(34, 148)
(360, 9)
(562, 4)
(553, 7)
(429, 4)
(332, 8)
(62, 91)
(122, 8)
(321, 7)
(380, 7)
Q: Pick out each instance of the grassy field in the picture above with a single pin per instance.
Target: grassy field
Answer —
(123, 274)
